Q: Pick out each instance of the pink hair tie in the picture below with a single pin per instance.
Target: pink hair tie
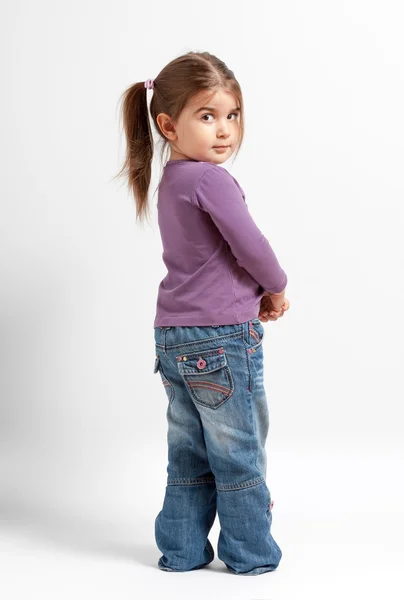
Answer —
(149, 84)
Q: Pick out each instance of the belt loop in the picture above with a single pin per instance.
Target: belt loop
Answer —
(164, 329)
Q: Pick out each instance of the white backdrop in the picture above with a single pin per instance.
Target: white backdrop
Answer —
(82, 416)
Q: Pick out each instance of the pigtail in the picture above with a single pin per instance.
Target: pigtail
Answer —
(139, 145)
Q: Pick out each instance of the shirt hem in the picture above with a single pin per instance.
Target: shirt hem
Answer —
(224, 319)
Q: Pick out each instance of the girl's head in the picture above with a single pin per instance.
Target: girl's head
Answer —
(196, 105)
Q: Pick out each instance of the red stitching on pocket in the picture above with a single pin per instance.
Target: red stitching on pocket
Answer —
(208, 384)
(255, 334)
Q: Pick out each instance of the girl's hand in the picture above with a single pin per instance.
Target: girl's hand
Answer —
(268, 312)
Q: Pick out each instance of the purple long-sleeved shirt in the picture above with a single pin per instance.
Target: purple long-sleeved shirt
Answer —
(219, 263)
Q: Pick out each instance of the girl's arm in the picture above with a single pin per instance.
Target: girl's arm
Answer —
(218, 194)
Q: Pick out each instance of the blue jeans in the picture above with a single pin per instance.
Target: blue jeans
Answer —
(218, 422)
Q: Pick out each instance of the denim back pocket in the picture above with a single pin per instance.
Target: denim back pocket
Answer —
(207, 376)
(167, 384)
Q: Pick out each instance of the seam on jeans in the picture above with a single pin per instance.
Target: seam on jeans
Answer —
(189, 480)
(246, 325)
(202, 341)
(168, 386)
(228, 487)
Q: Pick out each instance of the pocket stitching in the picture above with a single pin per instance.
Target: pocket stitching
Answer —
(229, 389)
(191, 355)
(185, 368)
(192, 384)
(257, 335)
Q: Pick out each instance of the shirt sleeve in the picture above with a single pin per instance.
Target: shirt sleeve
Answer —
(218, 194)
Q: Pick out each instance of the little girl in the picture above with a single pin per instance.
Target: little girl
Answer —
(223, 279)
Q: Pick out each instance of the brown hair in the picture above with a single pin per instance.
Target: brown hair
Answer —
(174, 86)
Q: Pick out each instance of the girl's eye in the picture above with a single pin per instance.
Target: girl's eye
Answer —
(210, 114)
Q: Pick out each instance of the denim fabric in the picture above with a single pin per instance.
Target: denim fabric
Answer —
(218, 423)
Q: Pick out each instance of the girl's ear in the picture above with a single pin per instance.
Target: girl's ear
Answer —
(166, 126)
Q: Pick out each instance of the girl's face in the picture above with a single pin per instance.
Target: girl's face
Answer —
(207, 122)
